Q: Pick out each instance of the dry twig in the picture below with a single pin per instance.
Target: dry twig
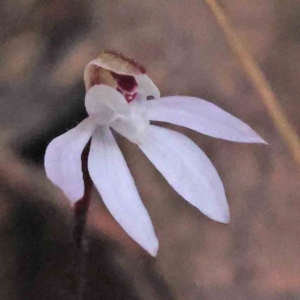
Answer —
(259, 81)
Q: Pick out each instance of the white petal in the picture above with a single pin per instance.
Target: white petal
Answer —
(188, 170)
(105, 104)
(63, 159)
(202, 116)
(111, 176)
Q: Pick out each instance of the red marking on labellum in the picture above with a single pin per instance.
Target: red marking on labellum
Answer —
(126, 86)
(125, 82)
(129, 97)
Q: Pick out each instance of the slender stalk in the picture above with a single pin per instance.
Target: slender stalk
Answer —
(259, 81)
(80, 219)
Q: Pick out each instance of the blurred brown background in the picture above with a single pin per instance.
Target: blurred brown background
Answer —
(44, 48)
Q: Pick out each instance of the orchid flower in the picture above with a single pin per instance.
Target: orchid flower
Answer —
(120, 96)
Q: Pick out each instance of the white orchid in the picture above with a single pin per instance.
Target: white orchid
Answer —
(117, 98)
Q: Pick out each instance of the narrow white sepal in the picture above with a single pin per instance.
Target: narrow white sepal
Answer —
(63, 159)
(188, 170)
(110, 174)
(201, 116)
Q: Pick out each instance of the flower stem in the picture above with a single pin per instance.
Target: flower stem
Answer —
(259, 81)
(81, 208)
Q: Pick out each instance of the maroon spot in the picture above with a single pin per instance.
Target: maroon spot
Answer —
(125, 82)
(129, 97)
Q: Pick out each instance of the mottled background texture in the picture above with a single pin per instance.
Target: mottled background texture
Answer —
(44, 48)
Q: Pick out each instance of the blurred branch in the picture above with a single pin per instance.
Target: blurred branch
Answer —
(259, 81)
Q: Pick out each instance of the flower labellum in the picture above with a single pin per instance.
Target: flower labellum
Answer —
(117, 90)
